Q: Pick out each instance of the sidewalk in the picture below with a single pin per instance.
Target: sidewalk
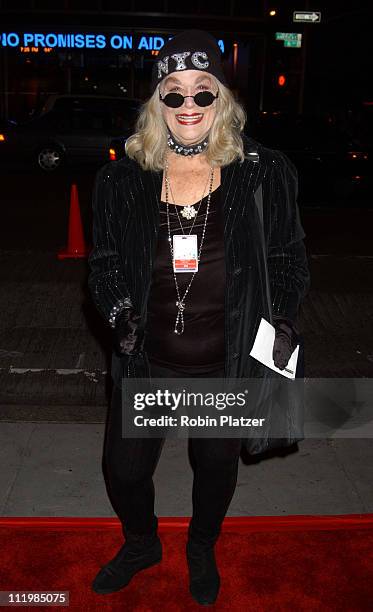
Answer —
(52, 349)
(54, 353)
(55, 470)
(55, 349)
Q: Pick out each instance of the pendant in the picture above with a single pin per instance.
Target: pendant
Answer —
(189, 212)
(179, 318)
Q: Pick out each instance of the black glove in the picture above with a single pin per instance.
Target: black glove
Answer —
(128, 335)
(286, 340)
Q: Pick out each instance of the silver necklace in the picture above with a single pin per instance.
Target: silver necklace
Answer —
(179, 323)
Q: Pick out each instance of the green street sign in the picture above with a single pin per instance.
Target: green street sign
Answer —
(287, 35)
(292, 43)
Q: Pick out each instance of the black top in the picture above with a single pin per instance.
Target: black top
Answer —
(201, 347)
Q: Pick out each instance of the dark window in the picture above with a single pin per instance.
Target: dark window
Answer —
(98, 114)
(124, 114)
(87, 120)
(52, 121)
(63, 104)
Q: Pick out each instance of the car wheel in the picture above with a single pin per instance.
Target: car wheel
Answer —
(50, 158)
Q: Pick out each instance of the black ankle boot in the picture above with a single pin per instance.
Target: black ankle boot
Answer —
(137, 553)
(204, 579)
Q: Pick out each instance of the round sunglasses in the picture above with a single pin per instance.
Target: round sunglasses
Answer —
(202, 98)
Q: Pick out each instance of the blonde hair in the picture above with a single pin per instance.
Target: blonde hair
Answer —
(148, 144)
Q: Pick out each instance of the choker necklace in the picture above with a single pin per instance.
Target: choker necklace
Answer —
(184, 149)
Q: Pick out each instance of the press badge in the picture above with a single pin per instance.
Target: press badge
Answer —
(185, 250)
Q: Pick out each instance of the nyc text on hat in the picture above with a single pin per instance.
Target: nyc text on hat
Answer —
(189, 50)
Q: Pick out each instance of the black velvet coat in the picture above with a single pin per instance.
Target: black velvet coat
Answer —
(125, 229)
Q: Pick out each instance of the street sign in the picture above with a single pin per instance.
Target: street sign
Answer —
(290, 39)
(292, 43)
(286, 35)
(306, 16)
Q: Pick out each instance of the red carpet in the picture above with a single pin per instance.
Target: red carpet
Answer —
(267, 564)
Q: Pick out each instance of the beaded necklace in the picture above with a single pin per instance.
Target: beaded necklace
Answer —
(179, 323)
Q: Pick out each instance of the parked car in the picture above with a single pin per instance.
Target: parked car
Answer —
(69, 129)
(331, 163)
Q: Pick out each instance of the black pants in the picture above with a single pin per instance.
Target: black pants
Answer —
(130, 464)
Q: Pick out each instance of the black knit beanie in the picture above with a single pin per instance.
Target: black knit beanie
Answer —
(189, 50)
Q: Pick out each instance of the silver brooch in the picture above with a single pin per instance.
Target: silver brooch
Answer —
(188, 212)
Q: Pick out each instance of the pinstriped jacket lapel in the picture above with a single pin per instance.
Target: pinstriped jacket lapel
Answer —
(239, 181)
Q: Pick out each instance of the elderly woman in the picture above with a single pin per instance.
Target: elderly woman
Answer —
(189, 172)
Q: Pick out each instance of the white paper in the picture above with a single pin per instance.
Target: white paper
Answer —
(263, 348)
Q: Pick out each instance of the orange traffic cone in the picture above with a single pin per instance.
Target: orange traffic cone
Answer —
(76, 246)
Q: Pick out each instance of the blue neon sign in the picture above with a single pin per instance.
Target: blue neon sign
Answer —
(70, 40)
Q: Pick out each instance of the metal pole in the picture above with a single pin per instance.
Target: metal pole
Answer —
(132, 69)
(304, 64)
(263, 74)
(264, 59)
(303, 71)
